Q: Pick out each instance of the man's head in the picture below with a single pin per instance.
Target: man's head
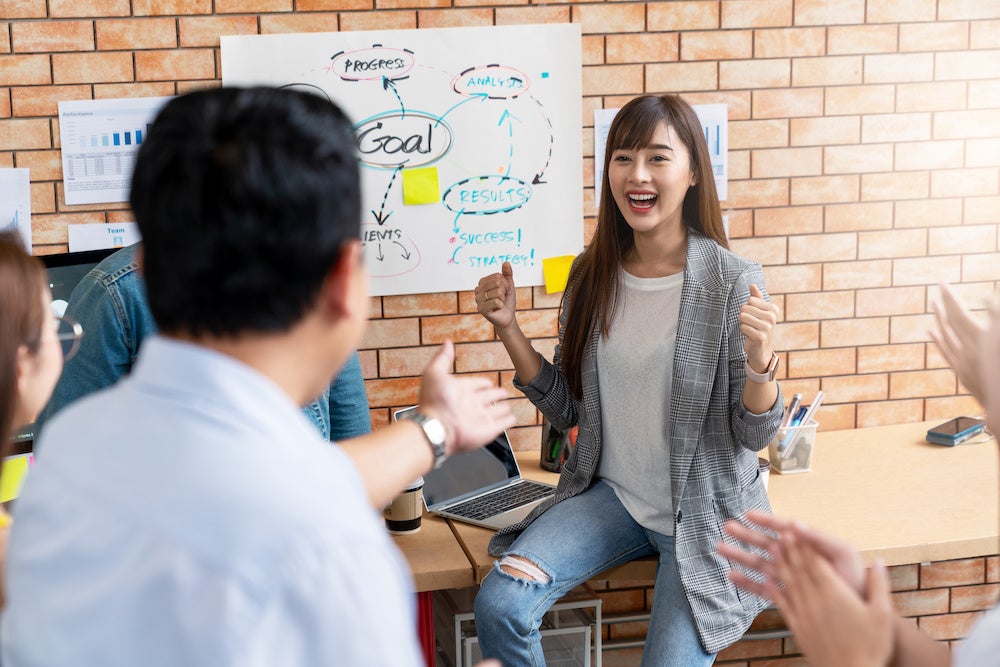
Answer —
(246, 199)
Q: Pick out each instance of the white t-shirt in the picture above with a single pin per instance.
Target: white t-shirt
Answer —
(982, 647)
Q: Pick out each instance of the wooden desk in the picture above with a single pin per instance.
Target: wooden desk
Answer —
(883, 489)
(436, 558)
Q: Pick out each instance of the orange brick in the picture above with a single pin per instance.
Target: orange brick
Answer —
(603, 18)
(852, 388)
(831, 418)
(206, 30)
(756, 13)
(984, 124)
(917, 384)
(962, 65)
(928, 213)
(51, 228)
(796, 278)
(825, 12)
(771, 73)
(819, 305)
(679, 77)
(937, 96)
(291, 23)
(44, 100)
(949, 406)
(4, 38)
(910, 328)
(860, 99)
(903, 577)
(894, 243)
(981, 181)
(51, 36)
(879, 413)
(642, 48)
(22, 9)
(758, 133)
(879, 128)
(826, 71)
(897, 11)
(899, 68)
(824, 190)
(592, 49)
(458, 328)
(170, 7)
(981, 267)
(826, 248)
(857, 275)
(825, 131)
(251, 6)
(955, 240)
(5, 108)
(738, 101)
(612, 79)
(680, 16)
(788, 42)
(886, 358)
(411, 4)
(950, 10)
(898, 185)
(759, 192)
(44, 165)
(746, 649)
(7, 160)
(174, 64)
(25, 70)
(717, 45)
(87, 8)
(404, 362)
(25, 134)
(43, 198)
(332, 5)
(857, 159)
(788, 103)
(974, 598)
(854, 331)
(796, 335)
(781, 162)
(890, 301)
(821, 363)
(392, 393)
(410, 305)
(378, 20)
(455, 18)
(790, 220)
(933, 36)
(527, 15)
(477, 357)
(930, 155)
(981, 210)
(983, 34)
(129, 34)
(539, 323)
(948, 626)
(926, 271)
(862, 39)
(148, 89)
(993, 569)
(402, 332)
(982, 153)
(767, 250)
(91, 67)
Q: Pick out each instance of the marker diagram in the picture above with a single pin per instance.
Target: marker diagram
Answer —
(469, 141)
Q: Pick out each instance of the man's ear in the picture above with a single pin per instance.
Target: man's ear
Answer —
(340, 282)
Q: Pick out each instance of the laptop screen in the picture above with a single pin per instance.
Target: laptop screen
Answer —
(472, 472)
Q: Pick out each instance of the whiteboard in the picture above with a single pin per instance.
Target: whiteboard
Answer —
(470, 141)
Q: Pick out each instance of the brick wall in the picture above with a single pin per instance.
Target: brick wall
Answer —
(864, 159)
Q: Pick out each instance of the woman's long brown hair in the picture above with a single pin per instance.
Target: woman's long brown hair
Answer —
(593, 285)
(22, 281)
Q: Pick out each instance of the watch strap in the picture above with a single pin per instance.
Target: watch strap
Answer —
(767, 375)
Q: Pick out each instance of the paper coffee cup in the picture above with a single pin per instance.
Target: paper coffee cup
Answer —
(403, 514)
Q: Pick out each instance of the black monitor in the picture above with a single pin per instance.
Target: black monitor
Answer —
(64, 270)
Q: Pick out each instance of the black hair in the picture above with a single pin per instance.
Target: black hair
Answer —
(244, 198)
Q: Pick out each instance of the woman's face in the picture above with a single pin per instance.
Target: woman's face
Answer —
(649, 184)
(40, 370)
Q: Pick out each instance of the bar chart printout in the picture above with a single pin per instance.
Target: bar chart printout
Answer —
(15, 203)
(100, 139)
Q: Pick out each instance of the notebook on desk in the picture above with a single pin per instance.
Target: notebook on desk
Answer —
(483, 487)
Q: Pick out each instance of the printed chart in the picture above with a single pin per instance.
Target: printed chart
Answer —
(15, 203)
(469, 139)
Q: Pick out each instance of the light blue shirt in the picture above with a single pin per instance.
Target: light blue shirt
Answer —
(191, 515)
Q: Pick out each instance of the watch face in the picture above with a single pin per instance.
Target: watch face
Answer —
(434, 430)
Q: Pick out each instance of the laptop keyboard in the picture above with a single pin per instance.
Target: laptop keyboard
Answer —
(501, 500)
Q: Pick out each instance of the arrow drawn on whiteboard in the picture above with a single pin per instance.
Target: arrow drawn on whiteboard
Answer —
(548, 159)
(482, 97)
(380, 256)
(454, 225)
(406, 253)
(382, 216)
(387, 83)
(506, 117)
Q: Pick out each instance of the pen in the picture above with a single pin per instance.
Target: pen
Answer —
(800, 414)
(810, 411)
(792, 407)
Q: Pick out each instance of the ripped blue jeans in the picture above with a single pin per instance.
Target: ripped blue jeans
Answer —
(570, 543)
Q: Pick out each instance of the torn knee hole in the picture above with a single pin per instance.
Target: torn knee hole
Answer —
(521, 568)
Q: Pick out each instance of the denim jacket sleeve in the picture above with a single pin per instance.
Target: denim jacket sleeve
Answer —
(341, 412)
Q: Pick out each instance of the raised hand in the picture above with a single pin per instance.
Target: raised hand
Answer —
(495, 297)
(757, 319)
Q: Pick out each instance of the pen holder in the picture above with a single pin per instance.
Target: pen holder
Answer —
(556, 446)
(791, 449)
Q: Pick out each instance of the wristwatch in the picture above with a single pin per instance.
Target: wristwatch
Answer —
(433, 431)
(767, 375)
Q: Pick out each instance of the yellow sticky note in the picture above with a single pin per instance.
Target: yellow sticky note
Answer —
(12, 476)
(556, 271)
(420, 186)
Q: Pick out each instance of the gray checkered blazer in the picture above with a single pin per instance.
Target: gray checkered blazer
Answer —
(714, 440)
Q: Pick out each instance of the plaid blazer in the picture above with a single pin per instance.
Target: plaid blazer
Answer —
(714, 439)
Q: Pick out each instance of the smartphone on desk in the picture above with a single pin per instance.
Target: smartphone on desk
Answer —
(956, 431)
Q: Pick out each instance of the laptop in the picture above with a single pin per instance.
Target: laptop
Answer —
(483, 487)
